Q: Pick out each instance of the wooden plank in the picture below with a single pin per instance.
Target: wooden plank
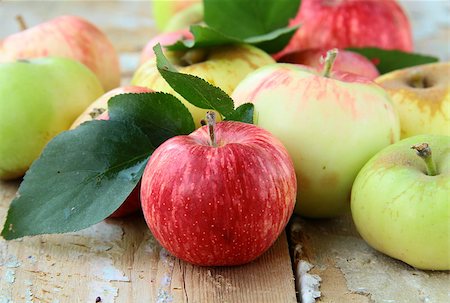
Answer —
(351, 271)
(119, 261)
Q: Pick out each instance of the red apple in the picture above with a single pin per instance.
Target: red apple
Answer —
(347, 61)
(343, 23)
(219, 204)
(163, 39)
(98, 110)
(70, 37)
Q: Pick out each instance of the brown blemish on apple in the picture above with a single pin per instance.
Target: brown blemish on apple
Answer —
(330, 179)
(429, 82)
(303, 182)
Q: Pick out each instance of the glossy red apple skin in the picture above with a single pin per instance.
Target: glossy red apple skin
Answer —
(69, 37)
(163, 39)
(133, 203)
(217, 206)
(346, 61)
(350, 23)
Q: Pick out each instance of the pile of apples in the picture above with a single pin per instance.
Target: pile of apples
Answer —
(326, 138)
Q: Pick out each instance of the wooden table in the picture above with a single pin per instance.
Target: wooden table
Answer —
(120, 262)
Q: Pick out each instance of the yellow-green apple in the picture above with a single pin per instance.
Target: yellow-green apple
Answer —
(220, 199)
(174, 15)
(350, 23)
(222, 66)
(69, 37)
(98, 108)
(421, 95)
(331, 124)
(39, 98)
(347, 61)
(163, 39)
(400, 202)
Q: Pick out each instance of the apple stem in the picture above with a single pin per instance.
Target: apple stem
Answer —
(22, 24)
(329, 61)
(211, 122)
(423, 150)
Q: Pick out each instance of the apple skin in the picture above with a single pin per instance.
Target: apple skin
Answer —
(347, 61)
(163, 39)
(421, 95)
(218, 206)
(350, 23)
(330, 126)
(224, 66)
(68, 37)
(39, 98)
(98, 108)
(400, 210)
(174, 15)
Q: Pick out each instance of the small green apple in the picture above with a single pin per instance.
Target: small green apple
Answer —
(38, 99)
(331, 123)
(421, 95)
(400, 203)
(223, 66)
(175, 15)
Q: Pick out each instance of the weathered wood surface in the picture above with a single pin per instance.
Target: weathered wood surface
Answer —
(119, 261)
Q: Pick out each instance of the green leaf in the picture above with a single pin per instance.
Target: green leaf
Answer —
(82, 177)
(194, 89)
(159, 115)
(389, 60)
(243, 113)
(258, 22)
(249, 18)
(85, 174)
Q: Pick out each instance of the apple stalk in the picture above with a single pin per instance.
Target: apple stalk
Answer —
(423, 150)
(329, 61)
(22, 24)
(211, 122)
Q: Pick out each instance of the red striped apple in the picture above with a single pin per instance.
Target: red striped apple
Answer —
(350, 23)
(219, 196)
(98, 110)
(331, 124)
(347, 61)
(70, 37)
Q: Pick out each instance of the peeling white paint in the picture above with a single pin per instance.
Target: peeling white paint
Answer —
(308, 284)
(29, 295)
(4, 299)
(103, 231)
(104, 269)
(166, 279)
(101, 289)
(10, 275)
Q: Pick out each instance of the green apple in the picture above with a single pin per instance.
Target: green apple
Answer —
(223, 66)
(331, 124)
(400, 203)
(421, 95)
(38, 99)
(176, 15)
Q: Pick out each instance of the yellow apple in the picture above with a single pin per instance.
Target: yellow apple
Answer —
(421, 95)
(222, 66)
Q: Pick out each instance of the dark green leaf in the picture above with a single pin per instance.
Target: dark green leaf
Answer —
(194, 89)
(82, 177)
(389, 60)
(249, 18)
(159, 115)
(243, 113)
(275, 41)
